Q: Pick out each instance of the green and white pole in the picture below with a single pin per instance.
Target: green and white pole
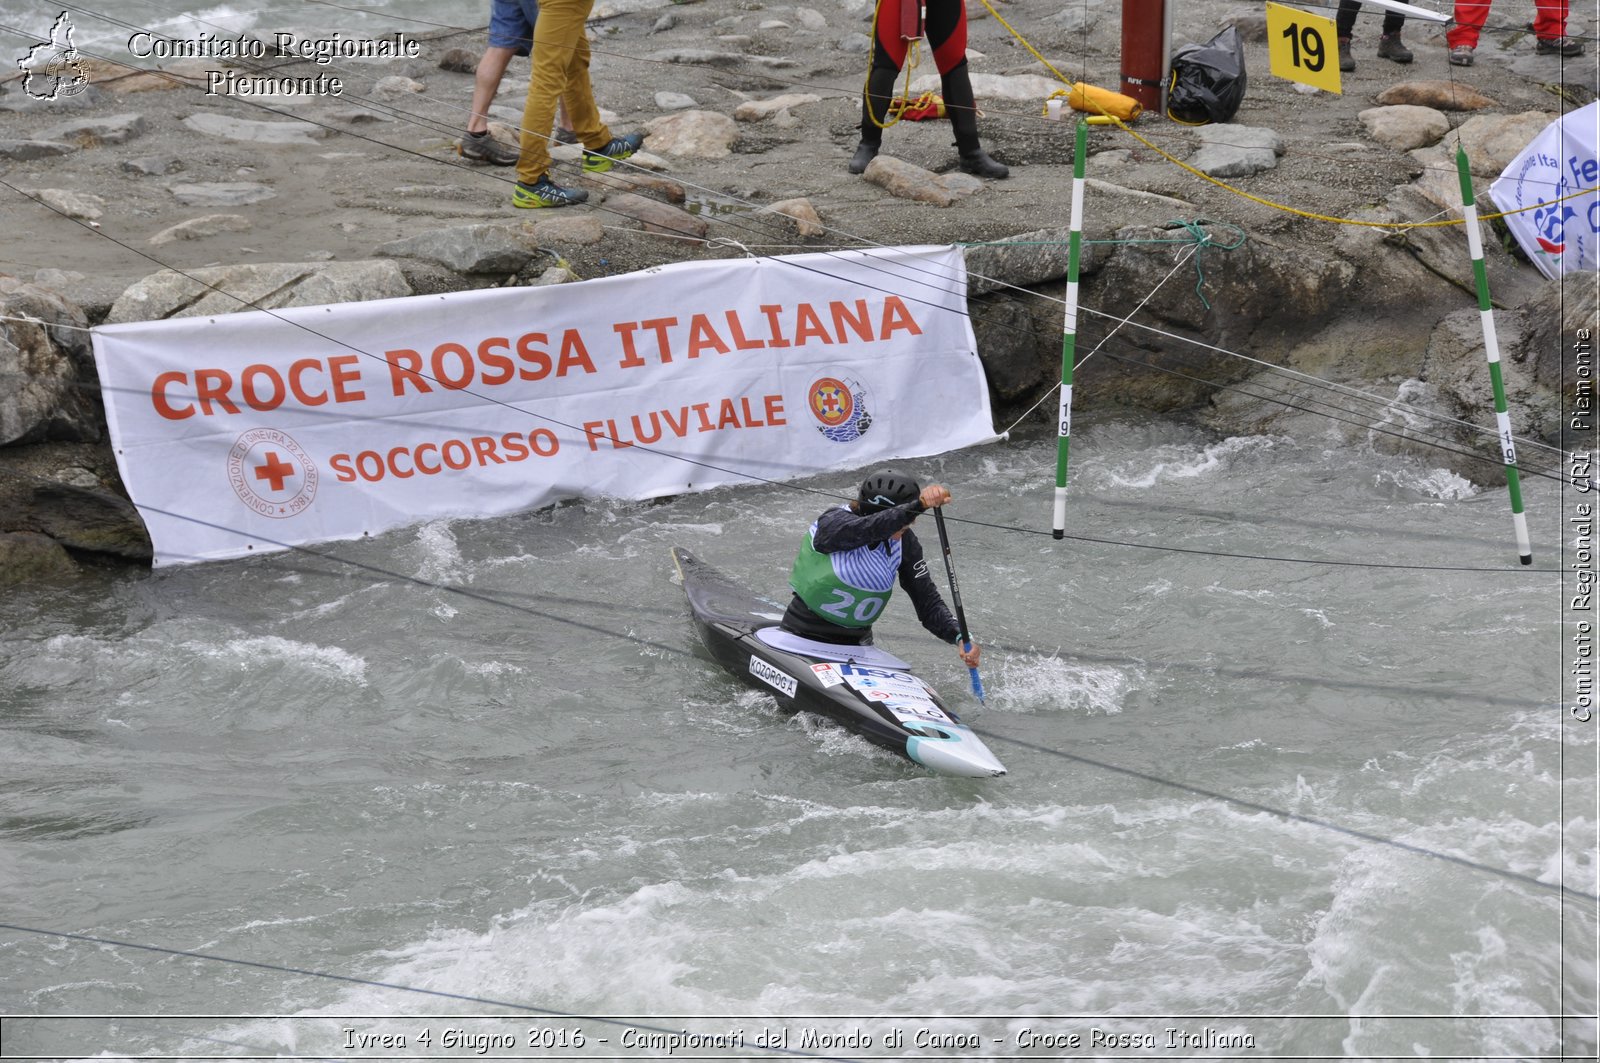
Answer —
(1069, 326)
(1491, 348)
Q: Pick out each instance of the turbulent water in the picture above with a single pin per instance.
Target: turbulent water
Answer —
(1328, 809)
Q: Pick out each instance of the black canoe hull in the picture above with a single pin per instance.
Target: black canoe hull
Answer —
(885, 705)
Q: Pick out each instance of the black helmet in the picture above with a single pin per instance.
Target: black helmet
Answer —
(885, 489)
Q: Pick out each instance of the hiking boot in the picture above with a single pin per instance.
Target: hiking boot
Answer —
(1461, 55)
(1390, 46)
(1347, 61)
(546, 193)
(865, 153)
(619, 148)
(979, 164)
(481, 147)
(565, 136)
(1562, 46)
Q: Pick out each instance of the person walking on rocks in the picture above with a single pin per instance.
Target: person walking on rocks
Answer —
(511, 25)
(1389, 44)
(561, 73)
(1549, 30)
(895, 23)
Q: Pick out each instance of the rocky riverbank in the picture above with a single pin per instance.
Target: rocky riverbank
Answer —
(750, 116)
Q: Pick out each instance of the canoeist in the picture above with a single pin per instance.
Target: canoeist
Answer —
(851, 557)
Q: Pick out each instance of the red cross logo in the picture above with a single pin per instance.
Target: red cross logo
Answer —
(831, 401)
(275, 471)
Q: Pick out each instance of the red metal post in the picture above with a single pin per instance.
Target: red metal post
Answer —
(1144, 51)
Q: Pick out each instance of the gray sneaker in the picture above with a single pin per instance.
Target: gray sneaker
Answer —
(1461, 55)
(481, 147)
(1564, 46)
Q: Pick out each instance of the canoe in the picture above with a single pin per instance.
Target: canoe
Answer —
(863, 688)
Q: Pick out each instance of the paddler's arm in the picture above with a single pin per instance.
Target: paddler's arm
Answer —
(840, 529)
(918, 583)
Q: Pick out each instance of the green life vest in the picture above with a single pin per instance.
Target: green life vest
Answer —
(850, 587)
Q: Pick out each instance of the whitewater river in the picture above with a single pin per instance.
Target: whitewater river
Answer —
(1254, 808)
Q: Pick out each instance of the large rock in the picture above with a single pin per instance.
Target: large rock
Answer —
(658, 217)
(1440, 95)
(268, 286)
(469, 248)
(151, 165)
(28, 150)
(48, 367)
(93, 132)
(221, 193)
(630, 181)
(89, 518)
(1551, 318)
(580, 229)
(696, 57)
(1457, 365)
(1236, 150)
(693, 134)
(1405, 126)
(1491, 141)
(199, 228)
(1007, 343)
(29, 556)
(1260, 296)
(802, 215)
(1021, 87)
(80, 205)
(1444, 248)
(250, 131)
(907, 181)
(1018, 261)
(761, 110)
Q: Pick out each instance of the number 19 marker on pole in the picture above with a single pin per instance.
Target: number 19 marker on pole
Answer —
(1069, 326)
(1491, 350)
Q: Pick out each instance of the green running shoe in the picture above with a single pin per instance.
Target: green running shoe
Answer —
(619, 148)
(546, 193)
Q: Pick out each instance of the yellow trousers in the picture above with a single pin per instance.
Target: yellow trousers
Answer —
(560, 72)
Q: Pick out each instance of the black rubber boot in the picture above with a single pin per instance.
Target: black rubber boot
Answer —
(962, 108)
(980, 164)
(865, 153)
(874, 105)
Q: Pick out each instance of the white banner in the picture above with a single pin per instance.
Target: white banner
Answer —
(261, 430)
(1561, 237)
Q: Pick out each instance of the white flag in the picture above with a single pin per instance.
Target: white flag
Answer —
(1560, 234)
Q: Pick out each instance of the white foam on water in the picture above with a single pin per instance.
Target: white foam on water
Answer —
(249, 654)
(1440, 484)
(1183, 463)
(1050, 684)
(441, 561)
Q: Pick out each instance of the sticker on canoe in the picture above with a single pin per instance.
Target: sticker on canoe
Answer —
(902, 693)
(773, 677)
(828, 673)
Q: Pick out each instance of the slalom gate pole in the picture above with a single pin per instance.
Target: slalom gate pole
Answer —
(1069, 326)
(1491, 349)
(955, 599)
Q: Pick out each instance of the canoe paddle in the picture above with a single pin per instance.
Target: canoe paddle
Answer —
(955, 599)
